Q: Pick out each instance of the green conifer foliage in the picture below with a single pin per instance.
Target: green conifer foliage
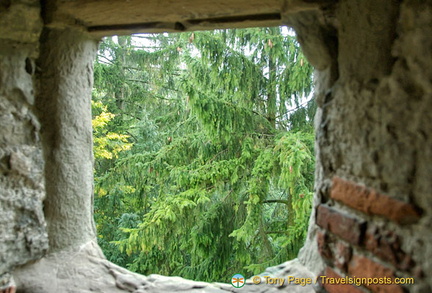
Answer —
(211, 166)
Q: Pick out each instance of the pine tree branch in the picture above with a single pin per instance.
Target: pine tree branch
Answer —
(106, 59)
(276, 201)
(215, 156)
(146, 82)
(133, 136)
(295, 109)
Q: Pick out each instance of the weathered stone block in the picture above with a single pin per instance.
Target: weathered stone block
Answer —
(22, 222)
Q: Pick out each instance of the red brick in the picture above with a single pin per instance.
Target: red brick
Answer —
(347, 227)
(386, 245)
(363, 267)
(368, 201)
(339, 288)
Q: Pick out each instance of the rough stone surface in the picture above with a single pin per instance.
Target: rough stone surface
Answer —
(64, 104)
(374, 120)
(86, 270)
(22, 223)
(20, 20)
(23, 234)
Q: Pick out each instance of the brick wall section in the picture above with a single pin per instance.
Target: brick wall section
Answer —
(333, 251)
(386, 245)
(345, 226)
(356, 246)
(369, 201)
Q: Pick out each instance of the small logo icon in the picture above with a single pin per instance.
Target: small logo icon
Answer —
(238, 281)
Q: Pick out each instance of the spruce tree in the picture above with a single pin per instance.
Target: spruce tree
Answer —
(213, 170)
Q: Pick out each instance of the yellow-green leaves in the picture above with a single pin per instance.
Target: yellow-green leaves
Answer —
(106, 145)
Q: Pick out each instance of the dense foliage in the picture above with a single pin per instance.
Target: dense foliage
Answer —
(204, 151)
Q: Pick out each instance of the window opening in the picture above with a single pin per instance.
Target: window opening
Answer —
(203, 146)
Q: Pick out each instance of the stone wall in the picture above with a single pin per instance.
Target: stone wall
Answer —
(23, 234)
(374, 175)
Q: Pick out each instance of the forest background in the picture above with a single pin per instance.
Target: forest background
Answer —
(203, 146)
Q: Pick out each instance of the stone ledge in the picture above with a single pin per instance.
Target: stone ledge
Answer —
(86, 270)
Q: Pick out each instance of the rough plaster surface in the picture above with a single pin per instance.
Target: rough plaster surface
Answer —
(22, 224)
(66, 81)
